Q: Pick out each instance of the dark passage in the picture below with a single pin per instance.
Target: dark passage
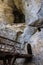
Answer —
(19, 17)
(2, 0)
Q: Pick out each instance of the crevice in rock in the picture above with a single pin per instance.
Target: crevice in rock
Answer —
(2, 0)
(18, 15)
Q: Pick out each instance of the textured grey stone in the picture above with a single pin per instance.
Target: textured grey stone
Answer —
(25, 37)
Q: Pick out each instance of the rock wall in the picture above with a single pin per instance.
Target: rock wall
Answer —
(24, 33)
(31, 34)
(6, 10)
(31, 10)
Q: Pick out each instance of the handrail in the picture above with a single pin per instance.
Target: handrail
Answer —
(7, 44)
(9, 39)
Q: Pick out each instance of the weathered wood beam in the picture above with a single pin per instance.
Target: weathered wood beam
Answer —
(24, 56)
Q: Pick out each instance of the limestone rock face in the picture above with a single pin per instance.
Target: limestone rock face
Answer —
(36, 42)
(25, 37)
(7, 33)
(5, 12)
(31, 10)
(19, 4)
(23, 33)
(11, 32)
(40, 14)
(34, 13)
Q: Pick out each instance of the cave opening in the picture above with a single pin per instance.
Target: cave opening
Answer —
(2, 0)
(19, 16)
